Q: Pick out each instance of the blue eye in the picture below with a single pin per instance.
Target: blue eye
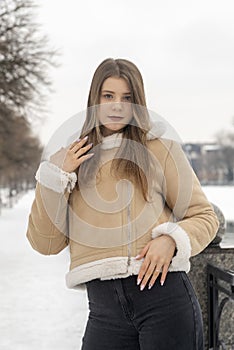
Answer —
(127, 98)
(108, 96)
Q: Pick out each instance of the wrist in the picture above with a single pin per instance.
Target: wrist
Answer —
(169, 239)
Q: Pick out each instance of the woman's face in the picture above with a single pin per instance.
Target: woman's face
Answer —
(115, 110)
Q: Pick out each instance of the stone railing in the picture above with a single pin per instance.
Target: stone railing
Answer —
(218, 280)
(224, 260)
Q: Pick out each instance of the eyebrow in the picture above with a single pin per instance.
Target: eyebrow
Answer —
(112, 92)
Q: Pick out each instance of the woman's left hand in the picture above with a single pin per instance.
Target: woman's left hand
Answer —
(157, 255)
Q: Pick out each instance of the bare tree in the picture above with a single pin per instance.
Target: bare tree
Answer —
(20, 151)
(25, 59)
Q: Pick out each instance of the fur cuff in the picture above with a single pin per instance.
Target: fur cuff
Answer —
(180, 262)
(54, 178)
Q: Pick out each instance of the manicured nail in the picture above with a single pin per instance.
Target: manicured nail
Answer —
(142, 287)
(90, 155)
(138, 281)
(91, 144)
(162, 283)
(150, 286)
(85, 138)
(78, 140)
(136, 257)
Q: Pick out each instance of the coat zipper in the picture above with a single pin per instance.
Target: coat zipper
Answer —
(129, 224)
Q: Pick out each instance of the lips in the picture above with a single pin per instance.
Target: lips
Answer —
(115, 117)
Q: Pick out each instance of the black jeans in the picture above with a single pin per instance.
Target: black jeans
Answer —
(163, 318)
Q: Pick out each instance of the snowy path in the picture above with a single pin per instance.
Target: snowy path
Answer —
(37, 311)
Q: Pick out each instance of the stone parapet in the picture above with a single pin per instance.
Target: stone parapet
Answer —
(224, 259)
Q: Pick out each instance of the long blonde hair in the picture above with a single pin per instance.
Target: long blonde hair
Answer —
(131, 161)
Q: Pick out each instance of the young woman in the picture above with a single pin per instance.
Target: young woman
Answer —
(127, 202)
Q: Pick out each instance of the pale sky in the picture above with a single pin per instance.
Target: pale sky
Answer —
(184, 50)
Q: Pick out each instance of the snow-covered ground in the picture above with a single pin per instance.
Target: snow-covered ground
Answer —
(223, 197)
(37, 311)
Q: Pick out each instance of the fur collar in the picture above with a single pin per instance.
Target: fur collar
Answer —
(157, 130)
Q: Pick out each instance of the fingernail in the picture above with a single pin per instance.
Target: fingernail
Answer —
(90, 155)
(91, 144)
(78, 140)
(138, 281)
(85, 138)
(150, 286)
(136, 257)
(142, 287)
(162, 283)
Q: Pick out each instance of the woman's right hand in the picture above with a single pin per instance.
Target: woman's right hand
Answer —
(70, 158)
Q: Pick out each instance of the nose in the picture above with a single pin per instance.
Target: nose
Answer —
(117, 106)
